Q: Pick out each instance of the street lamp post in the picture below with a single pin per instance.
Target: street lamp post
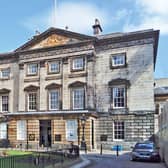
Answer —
(83, 122)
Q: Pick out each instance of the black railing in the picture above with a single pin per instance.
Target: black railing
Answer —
(39, 160)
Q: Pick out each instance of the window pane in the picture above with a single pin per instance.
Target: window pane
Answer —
(71, 130)
(5, 73)
(3, 131)
(54, 67)
(54, 99)
(32, 69)
(78, 98)
(32, 101)
(118, 96)
(21, 130)
(78, 63)
(118, 130)
(5, 103)
(118, 59)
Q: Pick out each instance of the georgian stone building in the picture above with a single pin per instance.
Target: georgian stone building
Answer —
(48, 84)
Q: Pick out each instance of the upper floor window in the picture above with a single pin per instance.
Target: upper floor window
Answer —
(32, 69)
(32, 101)
(118, 60)
(54, 67)
(78, 98)
(54, 99)
(5, 103)
(5, 73)
(119, 130)
(118, 96)
(78, 64)
(118, 88)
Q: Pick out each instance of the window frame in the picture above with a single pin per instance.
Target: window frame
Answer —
(5, 69)
(112, 65)
(72, 97)
(21, 132)
(4, 95)
(73, 68)
(28, 69)
(28, 101)
(113, 96)
(117, 121)
(49, 67)
(49, 100)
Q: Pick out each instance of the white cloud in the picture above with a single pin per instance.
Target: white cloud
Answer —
(79, 17)
(151, 14)
(150, 6)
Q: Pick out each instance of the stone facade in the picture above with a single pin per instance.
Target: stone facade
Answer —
(97, 77)
(161, 116)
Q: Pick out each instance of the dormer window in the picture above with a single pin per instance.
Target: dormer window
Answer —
(54, 67)
(32, 69)
(78, 64)
(5, 73)
(118, 60)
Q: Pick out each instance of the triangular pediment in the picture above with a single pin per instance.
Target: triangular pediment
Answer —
(53, 37)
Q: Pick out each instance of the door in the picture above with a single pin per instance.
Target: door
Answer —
(45, 133)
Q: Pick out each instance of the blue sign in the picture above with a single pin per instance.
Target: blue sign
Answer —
(117, 147)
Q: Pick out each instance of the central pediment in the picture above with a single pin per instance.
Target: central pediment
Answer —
(53, 37)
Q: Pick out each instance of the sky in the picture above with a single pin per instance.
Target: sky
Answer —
(20, 19)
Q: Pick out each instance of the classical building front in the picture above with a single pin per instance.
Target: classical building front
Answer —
(61, 86)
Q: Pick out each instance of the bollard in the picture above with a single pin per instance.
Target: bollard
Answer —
(101, 149)
(117, 150)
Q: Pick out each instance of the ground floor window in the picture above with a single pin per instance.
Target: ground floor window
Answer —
(71, 130)
(119, 130)
(3, 130)
(21, 130)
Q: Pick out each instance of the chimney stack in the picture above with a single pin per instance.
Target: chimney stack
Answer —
(97, 28)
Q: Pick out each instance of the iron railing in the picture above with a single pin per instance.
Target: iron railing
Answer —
(52, 159)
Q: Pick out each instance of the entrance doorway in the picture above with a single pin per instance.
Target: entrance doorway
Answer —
(45, 133)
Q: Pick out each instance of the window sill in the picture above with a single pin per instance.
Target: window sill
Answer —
(29, 75)
(118, 110)
(118, 67)
(82, 74)
(52, 73)
(53, 77)
(31, 79)
(5, 78)
(77, 70)
(118, 140)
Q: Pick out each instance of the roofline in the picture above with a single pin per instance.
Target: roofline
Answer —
(64, 46)
(52, 30)
(130, 36)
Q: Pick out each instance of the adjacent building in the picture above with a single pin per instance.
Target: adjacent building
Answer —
(63, 86)
(161, 116)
